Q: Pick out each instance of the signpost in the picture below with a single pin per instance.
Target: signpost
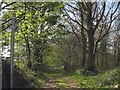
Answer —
(12, 48)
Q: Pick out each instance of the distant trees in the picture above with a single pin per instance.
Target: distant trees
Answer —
(70, 53)
(116, 46)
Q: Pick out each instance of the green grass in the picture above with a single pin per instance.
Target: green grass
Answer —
(62, 85)
(106, 79)
(36, 79)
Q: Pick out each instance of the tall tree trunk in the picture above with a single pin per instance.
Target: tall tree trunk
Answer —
(29, 65)
(41, 58)
(106, 62)
(28, 51)
(102, 60)
(118, 59)
(84, 42)
(90, 65)
(84, 49)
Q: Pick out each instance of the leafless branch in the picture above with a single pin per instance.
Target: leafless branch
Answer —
(102, 14)
(8, 5)
(75, 21)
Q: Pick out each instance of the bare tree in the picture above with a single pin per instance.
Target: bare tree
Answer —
(88, 16)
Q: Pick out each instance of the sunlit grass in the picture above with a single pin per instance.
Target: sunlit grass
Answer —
(107, 79)
(62, 85)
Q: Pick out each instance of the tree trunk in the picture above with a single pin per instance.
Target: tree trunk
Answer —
(84, 49)
(29, 65)
(41, 58)
(118, 59)
(90, 65)
(102, 60)
(84, 42)
(106, 62)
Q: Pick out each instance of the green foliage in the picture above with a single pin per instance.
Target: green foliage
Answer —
(70, 53)
(52, 58)
(110, 78)
(52, 19)
(37, 27)
(106, 79)
(35, 79)
(51, 44)
(62, 85)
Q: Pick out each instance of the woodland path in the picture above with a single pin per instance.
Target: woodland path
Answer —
(59, 81)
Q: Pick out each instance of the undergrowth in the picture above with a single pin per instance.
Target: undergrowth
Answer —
(107, 79)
